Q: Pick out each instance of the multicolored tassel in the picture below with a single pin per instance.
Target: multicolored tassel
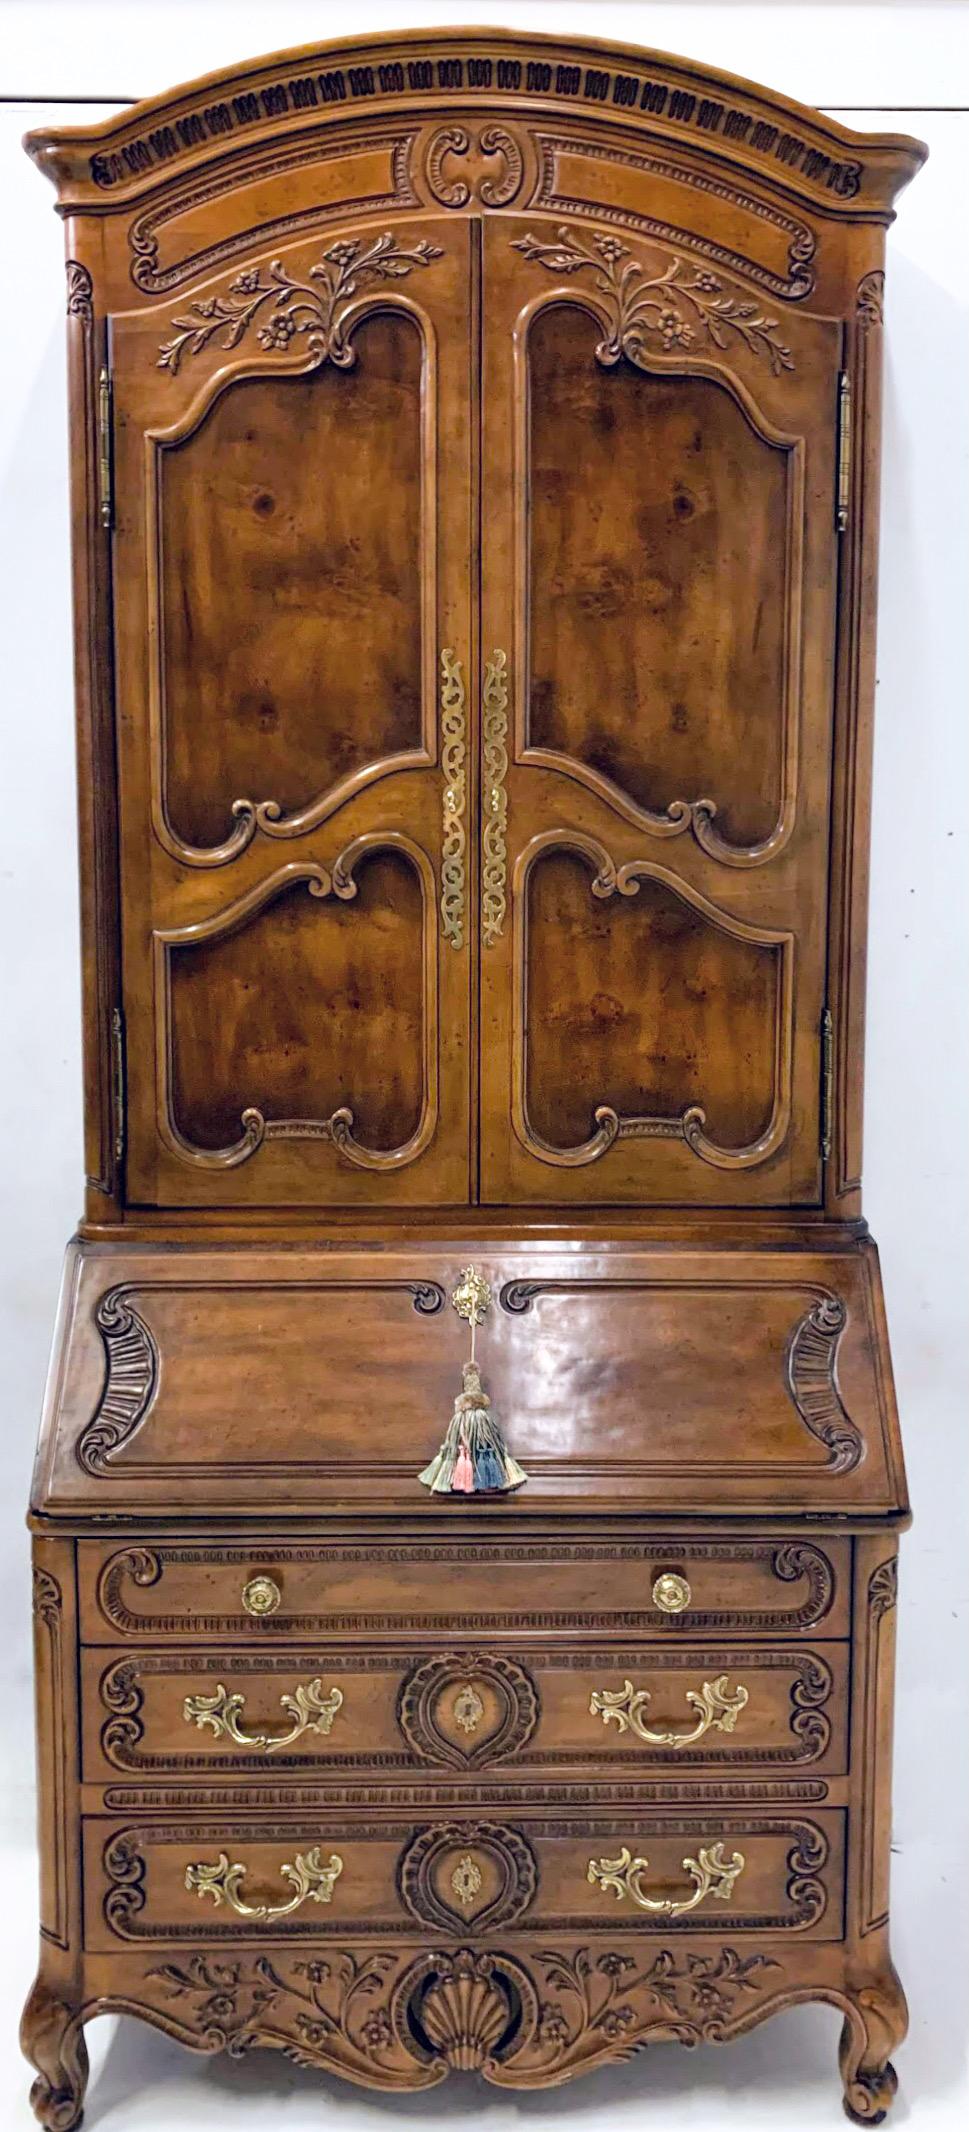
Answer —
(473, 1459)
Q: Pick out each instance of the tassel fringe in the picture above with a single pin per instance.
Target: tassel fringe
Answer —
(473, 1459)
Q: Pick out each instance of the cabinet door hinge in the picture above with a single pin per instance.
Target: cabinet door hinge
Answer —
(118, 1065)
(105, 449)
(827, 1083)
(844, 449)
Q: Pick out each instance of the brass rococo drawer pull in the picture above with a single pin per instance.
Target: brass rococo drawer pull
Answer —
(310, 1709)
(261, 1596)
(717, 1711)
(310, 1879)
(671, 1592)
(710, 1872)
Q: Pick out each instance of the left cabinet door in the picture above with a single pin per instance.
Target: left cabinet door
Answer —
(292, 455)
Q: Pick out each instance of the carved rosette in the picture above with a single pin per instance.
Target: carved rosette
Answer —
(478, 1873)
(466, 1710)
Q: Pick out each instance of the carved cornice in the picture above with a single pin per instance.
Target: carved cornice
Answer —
(720, 122)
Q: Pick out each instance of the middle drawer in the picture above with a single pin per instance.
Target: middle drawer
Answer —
(186, 1713)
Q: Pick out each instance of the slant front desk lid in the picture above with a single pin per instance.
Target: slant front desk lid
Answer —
(624, 1378)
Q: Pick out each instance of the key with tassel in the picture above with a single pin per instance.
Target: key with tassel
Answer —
(474, 1458)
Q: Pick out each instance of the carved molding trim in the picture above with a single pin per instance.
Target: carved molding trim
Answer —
(513, 1688)
(811, 1376)
(671, 311)
(878, 1689)
(337, 1130)
(608, 1126)
(495, 190)
(48, 1610)
(802, 243)
(192, 1795)
(145, 229)
(131, 1357)
(80, 291)
(727, 123)
(504, 1849)
(321, 308)
(792, 1563)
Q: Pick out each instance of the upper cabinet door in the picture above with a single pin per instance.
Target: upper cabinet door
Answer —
(659, 582)
(293, 603)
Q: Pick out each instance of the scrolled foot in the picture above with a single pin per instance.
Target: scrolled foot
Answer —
(876, 2026)
(52, 2041)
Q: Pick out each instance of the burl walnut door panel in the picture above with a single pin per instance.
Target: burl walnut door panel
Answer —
(293, 479)
(658, 602)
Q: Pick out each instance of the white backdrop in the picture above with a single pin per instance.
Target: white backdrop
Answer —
(902, 66)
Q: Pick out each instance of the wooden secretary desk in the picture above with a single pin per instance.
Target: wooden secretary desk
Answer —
(474, 449)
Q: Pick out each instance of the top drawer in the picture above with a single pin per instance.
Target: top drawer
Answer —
(648, 1586)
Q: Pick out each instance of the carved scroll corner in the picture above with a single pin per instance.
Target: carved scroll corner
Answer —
(132, 1368)
(811, 1378)
(883, 1588)
(80, 291)
(870, 300)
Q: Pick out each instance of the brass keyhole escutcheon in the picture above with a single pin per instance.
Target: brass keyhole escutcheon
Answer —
(671, 1592)
(261, 1596)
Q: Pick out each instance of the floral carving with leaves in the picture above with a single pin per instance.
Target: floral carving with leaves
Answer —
(287, 308)
(644, 313)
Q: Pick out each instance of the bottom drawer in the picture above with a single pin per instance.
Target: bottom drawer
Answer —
(330, 1874)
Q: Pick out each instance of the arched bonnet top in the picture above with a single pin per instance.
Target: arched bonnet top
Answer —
(711, 122)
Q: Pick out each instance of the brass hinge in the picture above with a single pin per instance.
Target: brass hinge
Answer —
(827, 1083)
(105, 455)
(844, 450)
(118, 1064)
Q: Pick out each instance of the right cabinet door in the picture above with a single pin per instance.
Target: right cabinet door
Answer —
(659, 592)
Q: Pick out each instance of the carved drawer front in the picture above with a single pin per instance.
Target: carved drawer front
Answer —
(272, 1592)
(332, 1711)
(703, 1871)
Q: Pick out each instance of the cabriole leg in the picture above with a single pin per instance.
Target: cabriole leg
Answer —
(868, 2038)
(52, 2040)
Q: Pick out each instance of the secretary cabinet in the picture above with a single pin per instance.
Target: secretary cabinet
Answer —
(474, 468)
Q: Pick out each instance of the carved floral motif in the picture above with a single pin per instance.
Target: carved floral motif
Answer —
(645, 314)
(289, 308)
(518, 2020)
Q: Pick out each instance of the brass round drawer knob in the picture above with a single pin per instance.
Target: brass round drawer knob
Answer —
(671, 1592)
(261, 1596)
